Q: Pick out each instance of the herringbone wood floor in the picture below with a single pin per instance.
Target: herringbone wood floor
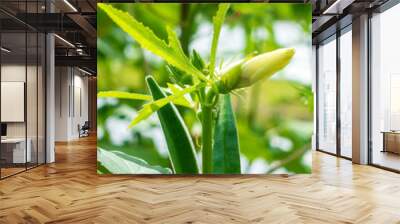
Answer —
(70, 191)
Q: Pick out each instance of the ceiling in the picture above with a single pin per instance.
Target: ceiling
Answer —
(74, 21)
(330, 15)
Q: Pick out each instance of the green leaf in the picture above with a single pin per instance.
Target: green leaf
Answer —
(101, 169)
(171, 53)
(174, 43)
(218, 20)
(180, 145)
(197, 60)
(181, 101)
(154, 106)
(226, 155)
(116, 162)
(178, 76)
(123, 95)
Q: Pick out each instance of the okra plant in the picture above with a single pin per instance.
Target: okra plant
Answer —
(199, 86)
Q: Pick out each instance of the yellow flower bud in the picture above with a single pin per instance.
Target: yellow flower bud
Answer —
(248, 71)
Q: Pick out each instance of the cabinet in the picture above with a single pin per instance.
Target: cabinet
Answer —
(391, 142)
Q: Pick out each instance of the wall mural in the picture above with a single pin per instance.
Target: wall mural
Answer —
(204, 88)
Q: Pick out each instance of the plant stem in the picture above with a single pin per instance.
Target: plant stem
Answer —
(206, 138)
(185, 27)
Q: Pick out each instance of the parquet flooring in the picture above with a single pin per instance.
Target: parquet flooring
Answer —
(10, 171)
(70, 191)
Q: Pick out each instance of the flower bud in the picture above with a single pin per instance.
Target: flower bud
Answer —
(248, 71)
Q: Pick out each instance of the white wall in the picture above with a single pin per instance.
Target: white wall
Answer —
(11, 73)
(71, 94)
(16, 73)
(80, 100)
(62, 81)
(33, 126)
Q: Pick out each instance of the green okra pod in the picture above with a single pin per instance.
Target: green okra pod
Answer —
(180, 145)
(226, 155)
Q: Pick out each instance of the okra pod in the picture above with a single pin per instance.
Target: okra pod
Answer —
(180, 145)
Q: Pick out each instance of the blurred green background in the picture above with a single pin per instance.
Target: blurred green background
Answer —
(275, 117)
